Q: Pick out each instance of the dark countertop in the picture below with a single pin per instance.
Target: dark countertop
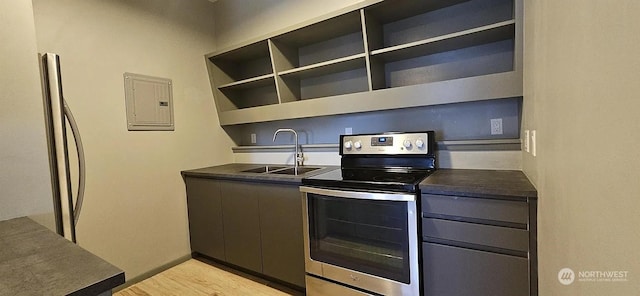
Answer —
(37, 261)
(479, 183)
(233, 171)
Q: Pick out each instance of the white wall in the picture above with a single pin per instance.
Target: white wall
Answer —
(25, 184)
(134, 214)
(240, 20)
(581, 95)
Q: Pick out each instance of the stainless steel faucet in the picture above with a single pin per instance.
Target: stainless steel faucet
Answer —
(299, 158)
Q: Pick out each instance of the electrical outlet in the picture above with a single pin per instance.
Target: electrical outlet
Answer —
(533, 143)
(348, 131)
(496, 126)
(253, 138)
(526, 141)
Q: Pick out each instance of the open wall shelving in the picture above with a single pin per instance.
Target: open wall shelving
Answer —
(376, 55)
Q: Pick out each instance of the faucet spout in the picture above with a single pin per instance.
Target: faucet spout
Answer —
(298, 157)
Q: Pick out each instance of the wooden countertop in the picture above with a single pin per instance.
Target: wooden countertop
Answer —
(36, 261)
(479, 183)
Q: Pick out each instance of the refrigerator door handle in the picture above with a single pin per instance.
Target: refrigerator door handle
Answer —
(58, 153)
(81, 162)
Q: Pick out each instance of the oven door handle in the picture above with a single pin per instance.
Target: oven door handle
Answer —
(390, 196)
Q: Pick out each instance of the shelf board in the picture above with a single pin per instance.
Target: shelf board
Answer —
(477, 88)
(333, 66)
(391, 11)
(467, 38)
(252, 82)
(247, 52)
(328, 29)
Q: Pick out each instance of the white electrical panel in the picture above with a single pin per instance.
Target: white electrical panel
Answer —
(149, 102)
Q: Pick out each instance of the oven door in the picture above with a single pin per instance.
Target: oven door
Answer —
(368, 240)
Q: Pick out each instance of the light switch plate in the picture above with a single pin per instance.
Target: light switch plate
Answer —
(533, 143)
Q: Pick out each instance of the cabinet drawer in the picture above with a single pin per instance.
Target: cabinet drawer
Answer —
(476, 208)
(486, 235)
(457, 271)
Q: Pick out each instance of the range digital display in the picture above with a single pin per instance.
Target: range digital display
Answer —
(382, 141)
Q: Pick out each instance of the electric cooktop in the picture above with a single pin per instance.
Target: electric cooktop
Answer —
(384, 179)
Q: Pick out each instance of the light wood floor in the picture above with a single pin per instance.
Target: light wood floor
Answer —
(197, 278)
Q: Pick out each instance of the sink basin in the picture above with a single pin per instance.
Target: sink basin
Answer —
(291, 171)
(264, 169)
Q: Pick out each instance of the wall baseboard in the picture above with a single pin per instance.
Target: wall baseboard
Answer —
(152, 272)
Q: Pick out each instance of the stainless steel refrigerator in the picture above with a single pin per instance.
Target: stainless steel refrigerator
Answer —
(67, 200)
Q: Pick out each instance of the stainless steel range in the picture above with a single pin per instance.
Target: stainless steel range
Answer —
(361, 221)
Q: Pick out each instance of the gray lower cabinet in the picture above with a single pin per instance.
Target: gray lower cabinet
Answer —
(449, 270)
(281, 228)
(204, 203)
(257, 226)
(241, 216)
(478, 246)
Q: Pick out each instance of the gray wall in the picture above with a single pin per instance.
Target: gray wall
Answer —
(462, 121)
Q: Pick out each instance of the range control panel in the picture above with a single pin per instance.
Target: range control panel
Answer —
(387, 144)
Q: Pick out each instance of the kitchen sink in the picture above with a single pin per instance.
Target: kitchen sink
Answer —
(264, 169)
(291, 171)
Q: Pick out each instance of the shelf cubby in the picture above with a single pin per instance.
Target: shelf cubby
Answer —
(243, 77)
(338, 83)
(468, 38)
(422, 20)
(319, 60)
(242, 64)
(472, 61)
(343, 76)
(328, 67)
(328, 40)
(249, 96)
(439, 40)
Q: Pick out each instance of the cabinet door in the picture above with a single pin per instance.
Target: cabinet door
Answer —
(205, 217)
(241, 224)
(457, 271)
(281, 228)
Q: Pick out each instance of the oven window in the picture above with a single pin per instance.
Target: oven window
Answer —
(364, 235)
